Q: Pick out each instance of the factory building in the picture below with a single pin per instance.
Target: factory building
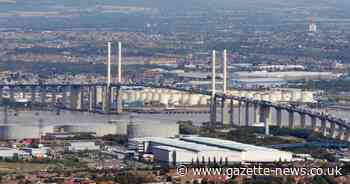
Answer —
(12, 153)
(258, 83)
(290, 75)
(249, 153)
(202, 149)
(40, 152)
(81, 146)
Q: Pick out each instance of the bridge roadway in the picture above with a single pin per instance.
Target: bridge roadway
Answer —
(264, 115)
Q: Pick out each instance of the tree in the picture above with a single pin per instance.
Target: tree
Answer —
(319, 180)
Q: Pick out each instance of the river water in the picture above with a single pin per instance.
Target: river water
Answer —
(72, 117)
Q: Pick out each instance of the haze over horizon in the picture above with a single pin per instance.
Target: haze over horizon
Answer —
(137, 14)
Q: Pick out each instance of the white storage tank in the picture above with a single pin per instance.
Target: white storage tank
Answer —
(100, 129)
(19, 132)
(139, 130)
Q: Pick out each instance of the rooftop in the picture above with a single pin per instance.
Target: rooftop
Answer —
(232, 145)
(180, 144)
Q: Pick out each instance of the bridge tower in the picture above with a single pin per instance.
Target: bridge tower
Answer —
(224, 120)
(107, 92)
(213, 91)
(119, 63)
(119, 80)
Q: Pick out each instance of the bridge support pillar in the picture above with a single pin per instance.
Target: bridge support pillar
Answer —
(313, 123)
(333, 130)
(12, 94)
(231, 113)
(1, 94)
(223, 110)
(213, 111)
(74, 93)
(291, 119)
(324, 127)
(302, 120)
(267, 118)
(106, 104)
(279, 117)
(54, 96)
(239, 123)
(42, 95)
(119, 100)
(92, 98)
(81, 98)
(32, 94)
(64, 96)
(246, 113)
(256, 113)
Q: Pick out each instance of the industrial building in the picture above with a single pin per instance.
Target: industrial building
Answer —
(40, 152)
(11, 153)
(203, 149)
(258, 83)
(290, 75)
(81, 146)
(249, 153)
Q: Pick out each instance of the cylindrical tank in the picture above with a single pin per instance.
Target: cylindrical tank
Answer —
(99, 129)
(139, 130)
(18, 132)
(164, 98)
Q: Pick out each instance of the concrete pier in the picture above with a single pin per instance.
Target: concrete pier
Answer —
(313, 123)
(119, 101)
(239, 123)
(247, 114)
(231, 113)
(223, 120)
(279, 117)
(92, 98)
(213, 111)
(73, 98)
(302, 120)
(106, 106)
(324, 127)
(42, 95)
(290, 119)
(12, 94)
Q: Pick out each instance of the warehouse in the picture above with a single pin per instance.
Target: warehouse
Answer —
(12, 153)
(81, 146)
(202, 149)
(250, 153)
(168, 150)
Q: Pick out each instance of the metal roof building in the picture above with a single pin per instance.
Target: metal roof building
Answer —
(203, 149)
(250, 153)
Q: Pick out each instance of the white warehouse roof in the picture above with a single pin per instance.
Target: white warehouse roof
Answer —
(193, 147)
(176, 143)
(232, 145)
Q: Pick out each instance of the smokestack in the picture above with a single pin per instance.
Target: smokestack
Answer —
(119, 62)
(213, 73)
(225, 71)
(109, 64)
